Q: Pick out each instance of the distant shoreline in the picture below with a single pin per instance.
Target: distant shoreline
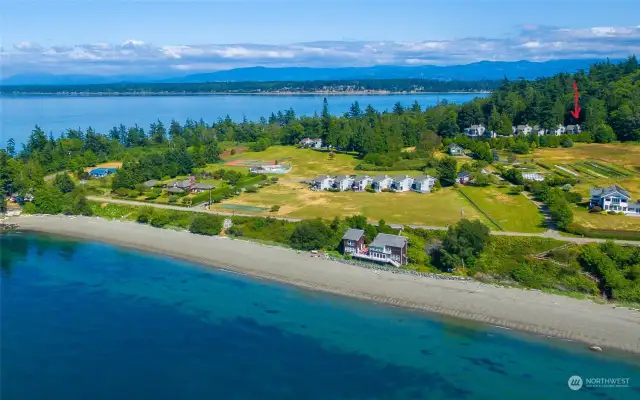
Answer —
(525, 310)
(318, 93)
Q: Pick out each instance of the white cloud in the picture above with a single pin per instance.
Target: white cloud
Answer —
(534, 42)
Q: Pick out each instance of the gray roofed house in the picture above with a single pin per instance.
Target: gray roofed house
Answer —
(614, 198)
(322, 182)
(151, 183)
(203, 186)
(353, 241)
(343, 182)
(360, 182)
(175, 190)
(423, 183)
(381, 182)
(386, 239)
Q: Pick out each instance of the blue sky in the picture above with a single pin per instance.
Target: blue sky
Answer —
(109, 36)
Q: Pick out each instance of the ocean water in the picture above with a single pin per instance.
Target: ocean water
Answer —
(83, 320)
(19, 114)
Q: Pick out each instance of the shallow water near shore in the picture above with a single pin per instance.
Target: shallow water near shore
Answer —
(83, 320)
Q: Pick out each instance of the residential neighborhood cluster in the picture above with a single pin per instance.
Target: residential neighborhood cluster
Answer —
(480, 131)
(399, 183)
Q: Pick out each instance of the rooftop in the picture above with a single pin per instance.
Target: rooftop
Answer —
(353, 234)
(385, 239)
(608, 191)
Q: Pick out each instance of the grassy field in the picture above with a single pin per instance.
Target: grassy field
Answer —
(298, 201)
(306, 163)
(513, 213)
(626, 155)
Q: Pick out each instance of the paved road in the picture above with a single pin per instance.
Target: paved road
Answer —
(548, 234)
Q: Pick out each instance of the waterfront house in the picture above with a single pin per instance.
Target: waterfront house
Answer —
(463, 178)
(532, 176)
(475, 131)
(389, 248)
(353, 241)
(311, 143)
(322, 182)
(614, 198)
(423, 183)
(361, 182)
(381, 182)
(455, 150)
(101, 172)
(523, 130)
(343, 182)
(402, 183)
(575, 129)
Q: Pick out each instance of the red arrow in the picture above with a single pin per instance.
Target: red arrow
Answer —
(576, 111)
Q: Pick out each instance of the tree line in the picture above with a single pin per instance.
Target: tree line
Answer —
(338, 86)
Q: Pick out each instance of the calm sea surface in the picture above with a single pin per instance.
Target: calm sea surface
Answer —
(83, 320)
(19, 114)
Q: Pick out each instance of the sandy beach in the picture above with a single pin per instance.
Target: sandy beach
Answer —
(525, 310)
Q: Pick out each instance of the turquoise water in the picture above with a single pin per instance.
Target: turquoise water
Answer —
(19, 114)
(83, 320)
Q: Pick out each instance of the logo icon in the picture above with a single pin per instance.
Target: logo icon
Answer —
(575, 382)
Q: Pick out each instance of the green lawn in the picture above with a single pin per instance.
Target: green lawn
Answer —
(298, 201)
(582, 217)
(514, 213)
(306, 163)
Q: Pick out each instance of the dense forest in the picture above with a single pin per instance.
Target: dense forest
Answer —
(340, 86)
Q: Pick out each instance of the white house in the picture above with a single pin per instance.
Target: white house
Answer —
(381, 182)
(557, 131)
(475, 131)
(311, 143)
(361, 182)
(423, 183)
(322, 182)
(614, 198)
(523, 130)
(343, 182)
(402, 183)
(575, 129)
(538, 130)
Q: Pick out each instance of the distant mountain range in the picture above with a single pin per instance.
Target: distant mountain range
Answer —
(491, 70)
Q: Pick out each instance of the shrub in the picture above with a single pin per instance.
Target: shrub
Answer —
(370, 189)
(595, 209)
(233, 152)
(621, 213)
(612, 213)
(251, 189)
(144, 215)
(274, 179)
(310, 235)
(205, 224)
(159, 220)
(274, 208)
(573, 197)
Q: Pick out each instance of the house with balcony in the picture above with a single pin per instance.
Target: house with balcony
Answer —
(423, 183)
(361, 182)
(353, 241)
(402, 183)
(343, 182)
(322, 182)
(381, 182)
(614, 198)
